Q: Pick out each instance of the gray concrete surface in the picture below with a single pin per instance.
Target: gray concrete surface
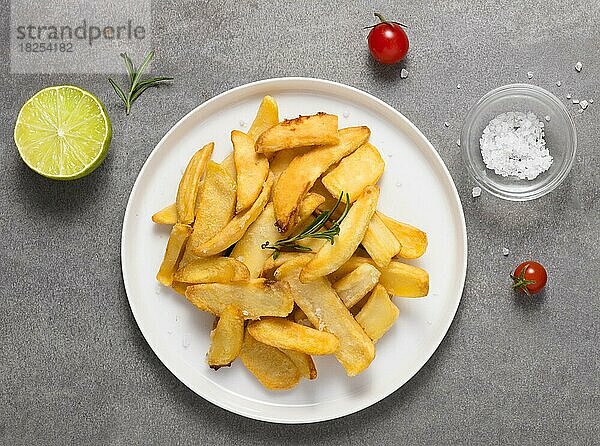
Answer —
(74, 368)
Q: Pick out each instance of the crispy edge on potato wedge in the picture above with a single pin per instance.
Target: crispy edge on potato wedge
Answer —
(399, 279)
(413, 241)
(283, 333)
(188, 186)
(237, 227)
(326, 311)
(270, 366)
(255, 298)
(248, 250)
(354, 286)
(302, 172)
(380, 242)
(304, 363)
(251, 169)
(309, 204)
(173, 252)
(266, 117)
(211, 270)
(378, 314)
(166, 216)
(352, 231)
(226, 338)
(360, 169)
(303, 131)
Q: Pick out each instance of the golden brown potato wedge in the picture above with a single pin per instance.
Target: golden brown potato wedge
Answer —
(378, 314)
(299, 317)
(304, 363)
(227, 338)
(281, 160)
(326, 312)
(236, 228)
(399, 279)
(304, 170)
(380, 242)
(266, 117)
(216, 204)
(212, 269)
(352, 231)
(173, 252)
(270, 366)
(412, 240)
(358, 170)
(354, 286)
(179, 287)
(249, 250)
(229, 165)
(254, 298)
(304, 131)
(252, 169)
(272, 264)
(166, 216)
(188, 186)
(309, 204)
(283, 333)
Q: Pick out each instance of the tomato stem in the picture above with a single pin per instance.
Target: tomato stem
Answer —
(380, 17)
(520, 283)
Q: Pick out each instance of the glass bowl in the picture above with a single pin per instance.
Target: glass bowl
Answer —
(560, 135)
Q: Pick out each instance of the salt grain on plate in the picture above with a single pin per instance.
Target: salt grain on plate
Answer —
(458, 86)
(505, 252)
(243, 123)
(458, 142)
(558, 84)
(529, 75)
(403, 73)
(578, 66)
(568, 96)
(513, 144)
(591, 101)
(583, 104)
(547, 118)
(575, 101)
(446, 124)
(346, 114)
(476, 192)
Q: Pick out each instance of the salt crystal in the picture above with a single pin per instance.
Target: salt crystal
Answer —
(529, 75)
(458, 86)
(583, 104)
(547, 118)
(458, 142)
(591, 101)
(245, 313)
(581, 110)
(243, 123)
(428, 322)
(170, 332)
(446, 124)
(389, 155)
(185, 340)
(568, 96)
(319, 314)
(403, 73)
(558, 83)
(476, 192)
(575, 101)
(578, 66)
(505, 252)
(346, 114)
(398, 184)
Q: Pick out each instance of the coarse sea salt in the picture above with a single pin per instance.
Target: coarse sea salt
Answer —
(476, 192)
(513, 144)
(403, 73)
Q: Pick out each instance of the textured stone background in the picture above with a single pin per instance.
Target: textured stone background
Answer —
(74, 367)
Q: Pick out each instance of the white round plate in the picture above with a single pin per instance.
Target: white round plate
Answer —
(416, 188)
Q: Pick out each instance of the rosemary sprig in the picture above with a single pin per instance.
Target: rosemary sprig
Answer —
(136, 86)
(313, 230)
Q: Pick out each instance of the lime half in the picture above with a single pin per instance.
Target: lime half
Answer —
(63, 132)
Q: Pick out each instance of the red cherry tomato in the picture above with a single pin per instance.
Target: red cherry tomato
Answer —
(388, 42)
(529, 277)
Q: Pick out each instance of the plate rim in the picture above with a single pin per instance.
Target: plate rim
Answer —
(312, 81)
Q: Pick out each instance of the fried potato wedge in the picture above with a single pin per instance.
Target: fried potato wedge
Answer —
(354, 286)
(352, 231)
(413, 241)
(304, 363)
(270, 366)
(358, 170)
(229, 165)
(399, 279)
(283, 333)
(272, 264)
(304, 131)
(216, 205)
(281, 160)
(227, 338)
(249, 249)
(254, 298)
(302, 172)
(236, 228)
(166, 216)
(299, 317)
(266, 117)
(326, 311)
(378, 314)
(380, 242)
(309, 204)
(213, 269)
(188, 186)
(173, 252)
(179, 287)
(251, 167)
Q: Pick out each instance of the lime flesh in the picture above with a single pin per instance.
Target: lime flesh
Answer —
(63, 132)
